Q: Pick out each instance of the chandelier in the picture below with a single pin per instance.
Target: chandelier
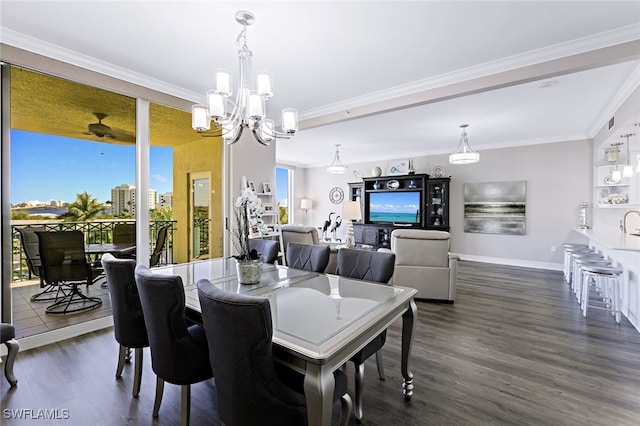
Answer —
(247, 109)
(464, 154)
(336, 166)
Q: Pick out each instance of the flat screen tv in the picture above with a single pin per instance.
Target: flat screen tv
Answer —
(394, 207)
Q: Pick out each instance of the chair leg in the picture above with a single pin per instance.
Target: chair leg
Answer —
(359, 389)
(185, 406)
(158, 400)
(345, 403)
(379, 363)
(12, 351)
(137, 375)
(122, 354)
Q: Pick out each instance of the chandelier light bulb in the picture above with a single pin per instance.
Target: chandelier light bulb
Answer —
(215, 102)
(223, 83)
(200, 118)
(290, 120)
(264, 84)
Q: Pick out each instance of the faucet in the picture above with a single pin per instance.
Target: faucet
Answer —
(624, 220)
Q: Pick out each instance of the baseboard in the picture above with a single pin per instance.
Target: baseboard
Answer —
(53, 336)
(513, 262)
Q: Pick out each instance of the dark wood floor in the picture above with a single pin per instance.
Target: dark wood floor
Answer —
(513, 350)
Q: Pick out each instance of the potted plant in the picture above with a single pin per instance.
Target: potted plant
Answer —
(248, 217)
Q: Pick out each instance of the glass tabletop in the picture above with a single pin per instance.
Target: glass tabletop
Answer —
(312, 313)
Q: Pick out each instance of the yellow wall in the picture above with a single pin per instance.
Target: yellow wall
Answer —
(202, 155)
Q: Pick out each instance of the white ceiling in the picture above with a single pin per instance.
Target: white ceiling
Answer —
(433, 64)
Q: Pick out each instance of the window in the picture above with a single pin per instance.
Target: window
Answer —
(284, 192)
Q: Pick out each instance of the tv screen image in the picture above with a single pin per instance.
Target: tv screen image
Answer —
(394, 207)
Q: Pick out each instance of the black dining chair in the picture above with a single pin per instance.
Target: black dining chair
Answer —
(125, 233)
(371, 266)
(267, 248)
(128, 320)
(179, 354)
(309, 257)
(64, 263)
(250, 388)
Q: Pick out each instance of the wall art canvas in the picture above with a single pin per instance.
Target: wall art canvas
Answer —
(495, 207)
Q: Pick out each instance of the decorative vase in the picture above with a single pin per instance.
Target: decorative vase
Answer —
(249, 271)
(376, 172)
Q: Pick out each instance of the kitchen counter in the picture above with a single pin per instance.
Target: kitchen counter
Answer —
(614, 240)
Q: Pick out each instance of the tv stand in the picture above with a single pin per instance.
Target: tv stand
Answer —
(434, 206)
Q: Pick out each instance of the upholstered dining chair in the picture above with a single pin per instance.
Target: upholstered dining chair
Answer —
(179, 354)
(250, 388)
(8, 338)
(268, 248)
(371, 266)
(64, 263)
(307, 257)
(128, 320)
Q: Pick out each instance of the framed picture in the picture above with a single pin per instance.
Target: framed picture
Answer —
(268, 208)
(270, 228)
(266, 188)
(398, 167)
(251, 186)
(255, 231)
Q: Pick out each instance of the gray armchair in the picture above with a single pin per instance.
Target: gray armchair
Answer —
(423, 262)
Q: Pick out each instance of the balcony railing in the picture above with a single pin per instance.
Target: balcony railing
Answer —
(98, 232)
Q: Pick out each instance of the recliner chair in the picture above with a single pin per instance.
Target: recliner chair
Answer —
(423, 262)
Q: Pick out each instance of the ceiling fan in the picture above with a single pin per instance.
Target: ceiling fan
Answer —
(101, 130)
(98, 129)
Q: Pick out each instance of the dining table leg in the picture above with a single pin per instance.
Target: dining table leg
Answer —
(408, 327)
(319, 385)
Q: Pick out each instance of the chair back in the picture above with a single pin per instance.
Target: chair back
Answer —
(308, 257)
(366, 265)
(417, 247)
(161, 241)
(30, 246)
(63, 257)
(128, 320)
(239, 331)
(124, 233)
(268, 248)
(178, 355)
(299, 234)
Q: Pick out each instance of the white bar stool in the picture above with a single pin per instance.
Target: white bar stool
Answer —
(608, 278)
(572, 254)
(568, 249)
(577, 281)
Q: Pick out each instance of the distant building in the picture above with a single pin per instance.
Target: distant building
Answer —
(165, 200)
(56, 203)
(123, 198)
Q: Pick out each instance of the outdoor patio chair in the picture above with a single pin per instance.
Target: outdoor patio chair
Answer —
(64, 263)
(161, 241)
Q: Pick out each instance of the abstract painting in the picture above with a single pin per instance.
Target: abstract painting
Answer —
(495, 207)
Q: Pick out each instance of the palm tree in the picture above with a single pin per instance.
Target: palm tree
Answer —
(83, 209)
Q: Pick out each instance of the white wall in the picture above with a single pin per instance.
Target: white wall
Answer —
(558, 176)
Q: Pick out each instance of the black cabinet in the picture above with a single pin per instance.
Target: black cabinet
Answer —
(437, 204)
(384, 202)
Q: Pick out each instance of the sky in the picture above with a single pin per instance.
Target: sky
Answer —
(46, 167)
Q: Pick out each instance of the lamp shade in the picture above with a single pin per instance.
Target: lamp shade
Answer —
(305, 204)
(464, 153)
(351, 210)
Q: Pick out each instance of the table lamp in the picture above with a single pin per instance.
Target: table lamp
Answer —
(305, 204)
(351, 212)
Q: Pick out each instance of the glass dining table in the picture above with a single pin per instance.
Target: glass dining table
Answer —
(319, 320)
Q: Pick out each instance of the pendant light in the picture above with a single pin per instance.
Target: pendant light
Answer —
(336, 167)
(627, 171)
(464, 154)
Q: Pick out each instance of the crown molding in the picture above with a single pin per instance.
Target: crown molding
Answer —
(522, 60)
(623, 93)
(40, 47)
